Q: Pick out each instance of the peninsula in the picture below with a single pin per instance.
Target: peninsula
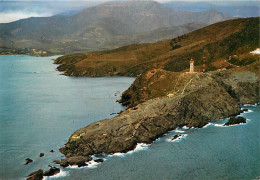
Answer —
(165, 95)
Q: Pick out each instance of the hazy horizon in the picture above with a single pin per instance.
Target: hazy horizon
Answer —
(13, 10)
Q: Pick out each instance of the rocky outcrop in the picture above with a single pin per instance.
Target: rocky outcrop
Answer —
(41, 154)
(37, 175)
(196, 99)
(52, 171)
(74, 161)
(235, 120)
(175, 137)
(241, 85)
(99, 160)
(28, 161)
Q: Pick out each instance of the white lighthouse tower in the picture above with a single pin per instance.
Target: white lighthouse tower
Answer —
(191, 65)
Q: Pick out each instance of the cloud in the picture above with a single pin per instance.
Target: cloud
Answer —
(14, 16)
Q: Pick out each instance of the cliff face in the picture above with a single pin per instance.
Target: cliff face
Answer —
(194, 99)
(240, 83)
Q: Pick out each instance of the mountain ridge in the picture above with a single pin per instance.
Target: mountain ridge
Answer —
(90, 28)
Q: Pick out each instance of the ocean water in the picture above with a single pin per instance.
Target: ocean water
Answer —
(214, 152)
(39, 111)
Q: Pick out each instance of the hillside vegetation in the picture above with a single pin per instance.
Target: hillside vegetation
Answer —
(219, 43)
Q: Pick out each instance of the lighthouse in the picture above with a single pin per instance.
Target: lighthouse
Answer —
(191, 65)
(204, 65)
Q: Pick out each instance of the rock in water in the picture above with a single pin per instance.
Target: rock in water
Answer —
(235, 120)
(52, 171)
(41, 154)
(175, 137)
(37, 175)
(99, 160)
(28, 161)
(56, 161)
(75, 161)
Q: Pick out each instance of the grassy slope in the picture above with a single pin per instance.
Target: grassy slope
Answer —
(216, 42)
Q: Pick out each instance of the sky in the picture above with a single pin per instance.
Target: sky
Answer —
(12, 10)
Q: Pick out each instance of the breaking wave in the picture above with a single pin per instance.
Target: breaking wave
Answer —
(59, 175)
(139, 147)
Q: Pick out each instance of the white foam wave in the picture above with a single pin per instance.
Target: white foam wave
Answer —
(207, 125)
(59, 175)
(179, 131)
(89, 165)
(92, 164)
(185, 127)
(219, 125)
(76, 167)
(257, 51)
(252, 105)
(139, 147)
(248, 111)
(117, 154)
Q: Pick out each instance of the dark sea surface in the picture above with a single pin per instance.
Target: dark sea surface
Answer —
(39, 109)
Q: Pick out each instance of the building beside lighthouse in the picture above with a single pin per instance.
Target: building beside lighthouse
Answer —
(191, 65)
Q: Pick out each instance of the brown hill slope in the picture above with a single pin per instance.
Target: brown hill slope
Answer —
(216, 42)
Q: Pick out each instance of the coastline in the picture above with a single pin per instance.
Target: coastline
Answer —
(48, 56)
(195, 89)
(166, 137)
(147, 121)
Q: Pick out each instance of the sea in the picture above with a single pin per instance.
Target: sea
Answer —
(40, 109)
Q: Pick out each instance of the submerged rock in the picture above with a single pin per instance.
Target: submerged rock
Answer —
(36, 175)
(235, 120)
(28, 161)
(52, 171)
(74, 161)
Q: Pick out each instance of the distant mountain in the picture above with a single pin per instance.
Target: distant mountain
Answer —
(100, 27)
(236, 9)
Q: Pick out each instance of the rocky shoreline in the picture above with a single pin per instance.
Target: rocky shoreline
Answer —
(196, 100)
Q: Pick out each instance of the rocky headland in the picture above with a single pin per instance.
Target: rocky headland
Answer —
(160, 101)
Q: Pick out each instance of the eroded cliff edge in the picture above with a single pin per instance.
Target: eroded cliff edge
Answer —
(193, 99)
